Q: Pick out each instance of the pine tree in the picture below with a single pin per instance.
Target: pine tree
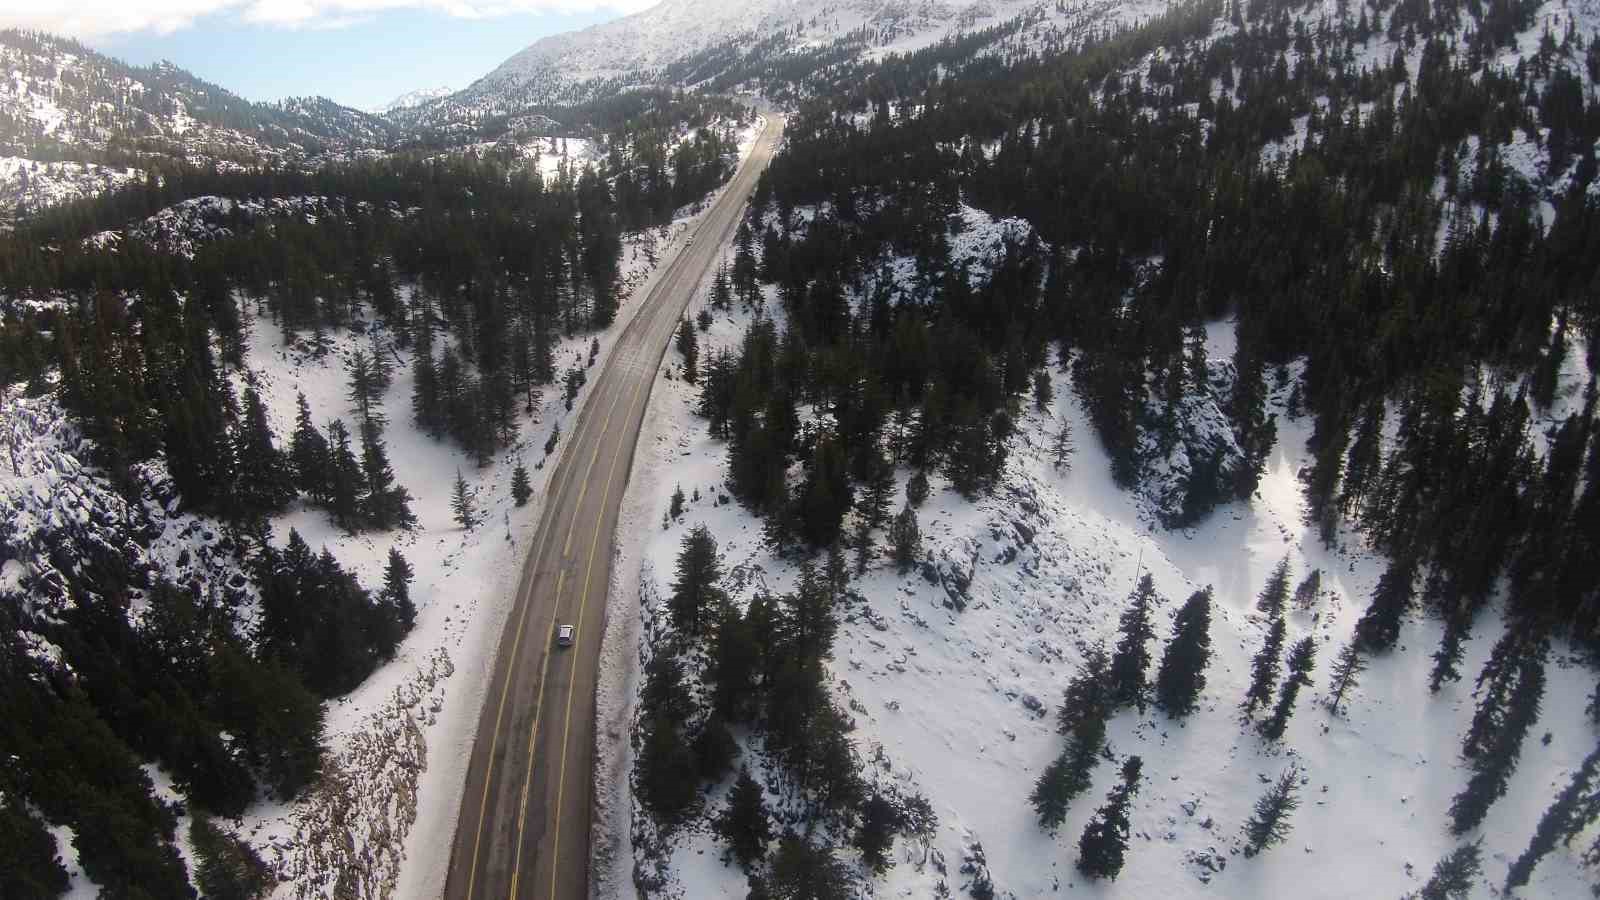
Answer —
(1452, 646)
(461, 503)
(308, 452)
(744, 825)
(1131, 661)
(521, 488)
(365, 393)
(426, 406)
(265, 482)
(1062, 449)
(1305, 595)
(346, 480)
(698, 585)
(1275, 595)
(1088, 696)
(721, 290)
(1493, 767)
(675, 508)
(802, 870)
(1493, 690)
(1070, 773)
(397, 578)
(1571, 813)
(1379, 627)
(1104, 844)
(1043, 393)
(1269, 825)
(555, 436)
(386, 504)
(917, 489)
(1302, 659)
(1346, 674)
(1453, 877)
(905, 535)
(875, 835)
(877, 491)
(1265, 667)
(689, 346)
(1181, 677)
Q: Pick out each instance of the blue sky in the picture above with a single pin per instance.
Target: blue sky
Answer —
(362, 53)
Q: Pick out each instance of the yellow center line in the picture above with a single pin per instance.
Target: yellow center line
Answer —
(572, 681)
(544, 668)
(527, 777)
(499, 716)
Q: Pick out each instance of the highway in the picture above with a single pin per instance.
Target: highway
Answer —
(524, 825)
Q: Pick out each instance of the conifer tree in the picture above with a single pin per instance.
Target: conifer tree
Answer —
(1275, 596)
(875, 835)
(1104, 844)
(1269, 825)
(877, 491)
(698, 586)
(426, 406)
(1181, 677)
(397, 578)
(308, 453)
(1302, 659)
(461, 503)
(1346, 674)
(1492, 768)
(386, 504)
(905, 535)
(1379, 627)
(1062, 448)
(1043, 393)
(1453, 877)
(1572, 812)
(1131, 661)
(365, 393)
(521, 488)
(689, 346)
(1493, 690)
(1264, 668)
(346, 480)
(1069, 774)
(1305, 595)
(802, 870)
(917, 489)
(1452, 646)
(744, 825)
(265, 482)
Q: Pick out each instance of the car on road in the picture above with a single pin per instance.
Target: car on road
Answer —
(564, 635)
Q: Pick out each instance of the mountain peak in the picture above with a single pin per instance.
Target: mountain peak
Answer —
(412, 98)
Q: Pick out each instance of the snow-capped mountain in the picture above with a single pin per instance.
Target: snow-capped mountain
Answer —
(412, 98)
(76, 121)
(686, 43)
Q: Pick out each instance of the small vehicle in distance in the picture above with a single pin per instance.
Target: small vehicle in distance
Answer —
(564, 635)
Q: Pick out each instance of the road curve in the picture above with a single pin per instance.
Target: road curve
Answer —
(525, 811)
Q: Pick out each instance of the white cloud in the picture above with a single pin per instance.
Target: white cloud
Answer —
(102, 18)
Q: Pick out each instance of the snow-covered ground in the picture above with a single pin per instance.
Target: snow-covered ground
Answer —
(29, 184)
(400, 742)
(961, 703)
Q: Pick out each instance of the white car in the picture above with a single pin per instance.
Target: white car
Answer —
(564, 635)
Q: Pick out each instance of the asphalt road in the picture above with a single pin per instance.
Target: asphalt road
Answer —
(525, 811)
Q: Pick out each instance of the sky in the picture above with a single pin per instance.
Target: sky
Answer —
(362, 53)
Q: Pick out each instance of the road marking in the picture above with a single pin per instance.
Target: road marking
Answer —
(634, 330)
(544, 668)
(572, 680)
(529, 575)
